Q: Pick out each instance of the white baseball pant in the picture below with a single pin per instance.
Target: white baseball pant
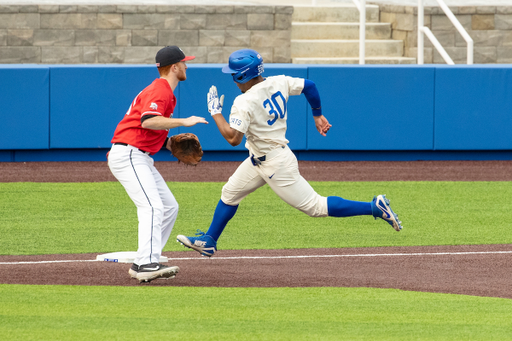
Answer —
(280, 171)
(157, 209)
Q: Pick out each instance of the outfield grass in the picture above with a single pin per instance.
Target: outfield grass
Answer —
(150, 313)
(48, 218)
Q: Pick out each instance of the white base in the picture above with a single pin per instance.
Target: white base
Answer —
(123, 257)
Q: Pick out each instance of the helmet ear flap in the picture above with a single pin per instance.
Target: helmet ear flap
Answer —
(246, 64)
(238, 77)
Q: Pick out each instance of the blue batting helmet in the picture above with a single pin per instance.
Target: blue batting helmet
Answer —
(244, 65)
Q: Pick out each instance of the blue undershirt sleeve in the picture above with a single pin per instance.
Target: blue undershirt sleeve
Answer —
(312, 96)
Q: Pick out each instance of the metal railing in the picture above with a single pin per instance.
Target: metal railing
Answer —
(361, 6)
(422, 30)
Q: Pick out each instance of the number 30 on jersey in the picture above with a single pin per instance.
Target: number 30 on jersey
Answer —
(274, 108)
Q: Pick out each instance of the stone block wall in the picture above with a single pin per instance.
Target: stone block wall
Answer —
(130, 34)
(490, 27)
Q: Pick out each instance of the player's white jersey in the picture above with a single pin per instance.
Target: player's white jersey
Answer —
(261, 113)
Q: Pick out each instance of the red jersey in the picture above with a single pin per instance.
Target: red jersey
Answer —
(156, 99)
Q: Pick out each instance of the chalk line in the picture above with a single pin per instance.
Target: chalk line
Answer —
(288, 257)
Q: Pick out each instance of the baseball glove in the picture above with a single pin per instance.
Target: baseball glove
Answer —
(186, 148)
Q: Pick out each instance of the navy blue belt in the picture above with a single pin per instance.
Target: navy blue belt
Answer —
(257, 160)
(126, 144)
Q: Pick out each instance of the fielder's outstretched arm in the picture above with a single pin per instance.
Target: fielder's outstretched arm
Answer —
(162, 123)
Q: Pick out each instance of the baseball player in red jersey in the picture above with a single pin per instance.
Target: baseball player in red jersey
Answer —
(141, 133)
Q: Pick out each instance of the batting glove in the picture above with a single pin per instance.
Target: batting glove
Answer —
(214, 102)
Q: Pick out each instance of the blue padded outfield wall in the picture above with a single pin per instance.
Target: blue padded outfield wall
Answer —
(403, 112)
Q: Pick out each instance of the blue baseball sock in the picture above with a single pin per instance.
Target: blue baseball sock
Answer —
(339, 207)
(223, 214)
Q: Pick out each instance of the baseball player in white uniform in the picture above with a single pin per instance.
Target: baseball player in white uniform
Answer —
(260, 113)
(141, 133)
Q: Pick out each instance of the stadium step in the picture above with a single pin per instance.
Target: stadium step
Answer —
(334, 48)
(348, 60)
(330, 35)
(335, 30)
(338, 13)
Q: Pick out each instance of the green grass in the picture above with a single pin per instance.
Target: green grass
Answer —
(46, 218)
(148, 313)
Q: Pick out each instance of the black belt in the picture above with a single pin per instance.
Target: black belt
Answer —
(126, 144)
(258, 160)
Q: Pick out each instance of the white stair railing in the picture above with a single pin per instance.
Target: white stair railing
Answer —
(361, 6)
(425, 30)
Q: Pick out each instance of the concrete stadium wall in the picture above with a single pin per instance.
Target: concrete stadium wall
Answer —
(132, 34)
(69, 112)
